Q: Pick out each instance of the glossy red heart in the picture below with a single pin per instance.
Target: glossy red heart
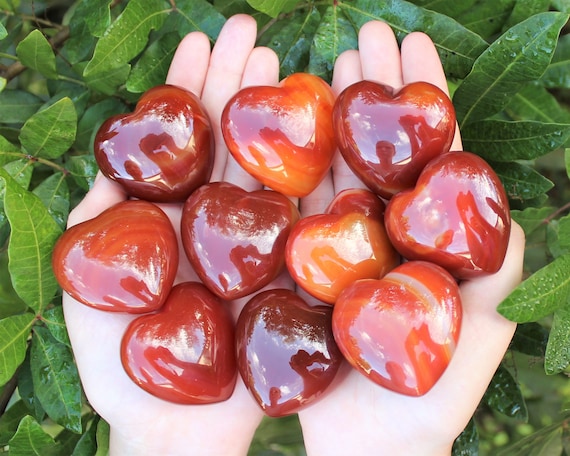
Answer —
(400, 331)
(286, 353)
(387, 136)
(163, 150)
(124, 260)
(327, 252)
(184, 353)
(283, 136)
(234, 239)
(457, 216)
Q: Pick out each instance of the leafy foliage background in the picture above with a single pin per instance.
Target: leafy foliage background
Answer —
(65, 66)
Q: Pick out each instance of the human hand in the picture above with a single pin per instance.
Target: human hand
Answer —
(357, 416)
(140, 423)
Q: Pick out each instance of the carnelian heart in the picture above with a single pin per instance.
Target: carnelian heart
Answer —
(327, 252)
(400, 331)
(234, 239)
(184, 353)
(163, 150)
(286, 353)
(388, 136)
(283, 136)
(457, 216)
(124, 260)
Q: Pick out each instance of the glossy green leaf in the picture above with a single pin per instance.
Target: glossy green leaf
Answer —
(467, 443)
(3, 32)
(123, 41)
(8, 151)
(35, 52)
(56, 379)
(292, 39)
(531, 218)
(103, 433)
(152, 68)
(485, 18)
(504, 395)
(10, 302)
(558, 348)
(16, 106)
(54, 193)
(334, 35)
(83, 168)
(457, 46)
(530, 339)
(34, 233)
(10, 420)
(506, 141)
(521, 182)
(557, 74)
(96, 14)
(273, 7)
(87, 444)
(26, 390)
(523, 9)
(31, 440)
(534, 102)
(541, 294)
(518, 57)
(55, 322)
(50, 132)
(14, 332)
(195, 15)
(92, 119)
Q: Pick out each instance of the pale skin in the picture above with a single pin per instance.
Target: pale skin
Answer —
(356, 416)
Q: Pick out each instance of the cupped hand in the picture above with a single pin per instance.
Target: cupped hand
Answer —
(357, 416)
(140, 423)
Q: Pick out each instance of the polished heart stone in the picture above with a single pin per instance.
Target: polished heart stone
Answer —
(286, 353)
(387, 136)
(400, 331)
(163, 150)
(457, 216)
(283, 136)
(235, 240)
(327, 252)
(123, 260)
(184, 353)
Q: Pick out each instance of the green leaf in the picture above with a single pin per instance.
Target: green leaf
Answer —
(273, 7)
(3, 32)
(31, 440)
(457, 46)
(103, 433)
(123, 41)
(564, 232)
(10, 420)
(530, 339)
(506, 141)
(467, 444)
(34, 233)
(532, 218)
(195, 15)
(521, 182)
(83, 168)
(55, 322)
(35, 52)
(50, 132)
(504, 395)
(14, 332)
(152, 68)
(16, 106)
(334, 35)
(485, 18)
(557, 356)
(557, 74)
(10, 302)
(56, 380)
(534, 102)
(92, 119)
(519, 56)
(541, 294)
(292, 39)
(87, 444)
(523, 9)
(8, 151)
(54, 193)
(26, 390)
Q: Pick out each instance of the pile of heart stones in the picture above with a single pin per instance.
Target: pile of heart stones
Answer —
(376, 273)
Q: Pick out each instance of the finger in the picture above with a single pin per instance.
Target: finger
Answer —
(485, 334)
(262, 69)
(420, 62)
(347, 71)
(227, 63)
(380, 54)
(104, 194)
(190, 63)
